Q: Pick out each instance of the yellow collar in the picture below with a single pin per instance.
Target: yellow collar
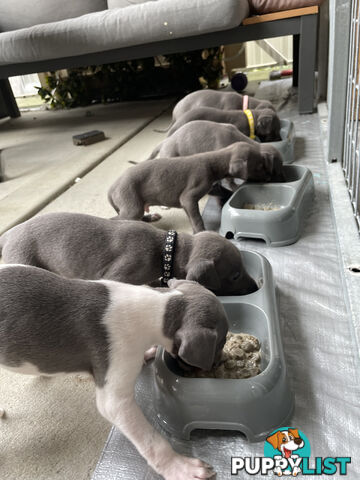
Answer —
(250, 118)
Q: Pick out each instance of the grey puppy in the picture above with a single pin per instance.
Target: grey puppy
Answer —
(50, 325)
(217, 99)
(267, 123)
(75, 245)
(202, 135)
(206, 136)
(183, 183)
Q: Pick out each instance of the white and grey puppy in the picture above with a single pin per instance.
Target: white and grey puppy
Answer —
(50, 325)
(75, 245)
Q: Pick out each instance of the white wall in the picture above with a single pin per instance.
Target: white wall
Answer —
(255, 56)
(25, 85)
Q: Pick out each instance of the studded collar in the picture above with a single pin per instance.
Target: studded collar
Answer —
(168, 256)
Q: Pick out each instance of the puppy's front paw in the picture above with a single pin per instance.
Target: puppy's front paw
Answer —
(150, 354)
(185, 468)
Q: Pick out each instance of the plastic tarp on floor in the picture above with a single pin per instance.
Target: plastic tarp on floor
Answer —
(320, 350)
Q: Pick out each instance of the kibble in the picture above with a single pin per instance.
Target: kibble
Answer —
(261, 206)
(240, 358)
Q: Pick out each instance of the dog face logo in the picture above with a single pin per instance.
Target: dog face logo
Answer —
(286, 441)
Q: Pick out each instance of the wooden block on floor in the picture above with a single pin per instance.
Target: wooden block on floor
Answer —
(88, 138)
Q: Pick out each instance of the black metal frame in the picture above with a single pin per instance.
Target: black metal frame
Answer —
(303, 28)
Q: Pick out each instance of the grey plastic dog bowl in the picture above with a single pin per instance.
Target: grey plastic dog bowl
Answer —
(286, 144)
(254, 406)
(277, 227)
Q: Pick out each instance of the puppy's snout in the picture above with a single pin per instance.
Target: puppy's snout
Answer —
(278, 178)
(298, 441)
(183, 365)
(252, 286)
(217, 363)
(246, 286)
(278, 171)
(217, 360)
(219, 353)
(281, 177)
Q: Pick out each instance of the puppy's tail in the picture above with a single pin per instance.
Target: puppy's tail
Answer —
(111, 201)
(155, 152)
(158, 130)
(2, 242)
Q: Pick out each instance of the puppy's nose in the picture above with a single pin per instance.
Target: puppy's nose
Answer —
(298, 441)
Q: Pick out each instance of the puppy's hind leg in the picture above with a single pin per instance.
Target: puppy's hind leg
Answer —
(127, 203)
(132, 209)
(150, 217)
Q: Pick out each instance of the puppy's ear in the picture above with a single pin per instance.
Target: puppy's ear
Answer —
(274, 440)
(238, 168)
(265, 105)
(204, 272)
(197, 346)
(264, 124)
(275, 164)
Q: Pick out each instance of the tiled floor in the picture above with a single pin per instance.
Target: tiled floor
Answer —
(38, 158)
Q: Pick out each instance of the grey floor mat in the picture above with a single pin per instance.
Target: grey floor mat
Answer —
(317, 334)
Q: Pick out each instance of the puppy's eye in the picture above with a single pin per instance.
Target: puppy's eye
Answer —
(284, 440)
(291, 437)
(236, 276)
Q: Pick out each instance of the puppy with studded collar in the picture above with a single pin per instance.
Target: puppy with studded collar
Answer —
(75, 245)
(50, 325)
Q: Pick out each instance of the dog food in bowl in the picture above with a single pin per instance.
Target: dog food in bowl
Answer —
(240, 359)
(261, 206)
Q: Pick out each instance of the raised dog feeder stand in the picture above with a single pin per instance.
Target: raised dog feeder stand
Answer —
(254, 406)
(279, 227)
(286, 144)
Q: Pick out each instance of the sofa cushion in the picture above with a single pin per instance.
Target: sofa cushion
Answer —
(121, 27)
(260, 7)
(15, 14)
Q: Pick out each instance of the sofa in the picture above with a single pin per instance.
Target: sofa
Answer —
(38, 36)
